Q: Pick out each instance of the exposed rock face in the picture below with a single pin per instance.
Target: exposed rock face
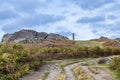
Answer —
(6, 37)
(26, 36)
(103, 38)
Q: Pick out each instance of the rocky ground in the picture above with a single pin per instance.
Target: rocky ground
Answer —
(55, 68)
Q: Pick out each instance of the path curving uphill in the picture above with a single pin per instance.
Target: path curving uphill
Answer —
(55, 69)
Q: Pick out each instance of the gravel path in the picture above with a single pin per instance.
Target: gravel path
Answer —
(54, 71)
(36, 75)
(68, 71)
(103, 74)
(69, 74)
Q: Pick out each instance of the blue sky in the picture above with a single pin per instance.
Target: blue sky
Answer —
(86, 18)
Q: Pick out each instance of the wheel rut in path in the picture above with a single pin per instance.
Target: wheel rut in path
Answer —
(102, 75)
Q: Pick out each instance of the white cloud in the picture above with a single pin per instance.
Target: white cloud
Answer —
(1, 33)
(31, 15)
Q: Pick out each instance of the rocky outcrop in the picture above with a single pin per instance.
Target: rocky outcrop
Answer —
(6, 37)
(31, 36)
(104, 38)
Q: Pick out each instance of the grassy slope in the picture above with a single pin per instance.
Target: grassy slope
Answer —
(88, 43)
(49, 51)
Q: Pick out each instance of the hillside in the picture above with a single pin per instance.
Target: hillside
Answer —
(55, 57)
(107, 42)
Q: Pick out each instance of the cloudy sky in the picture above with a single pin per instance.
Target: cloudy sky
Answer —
(86, 18)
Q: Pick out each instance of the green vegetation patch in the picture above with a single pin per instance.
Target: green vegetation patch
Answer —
(45, 75)
(115, 67)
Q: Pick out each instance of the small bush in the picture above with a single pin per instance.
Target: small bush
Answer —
(115, 64)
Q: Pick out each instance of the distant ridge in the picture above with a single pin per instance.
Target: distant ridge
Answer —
(31, 36)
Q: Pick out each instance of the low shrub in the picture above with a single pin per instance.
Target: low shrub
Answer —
(16, 62)
(76, 52)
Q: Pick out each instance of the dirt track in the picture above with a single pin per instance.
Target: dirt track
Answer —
(55, 69)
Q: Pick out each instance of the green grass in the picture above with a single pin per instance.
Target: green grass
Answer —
(45, 75)
(88, 43)
(115, 74)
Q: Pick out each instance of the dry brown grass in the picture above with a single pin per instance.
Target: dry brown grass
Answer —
(91, 68)
(51, 43)
(61, 76)
(80, 74)
(107, 42)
